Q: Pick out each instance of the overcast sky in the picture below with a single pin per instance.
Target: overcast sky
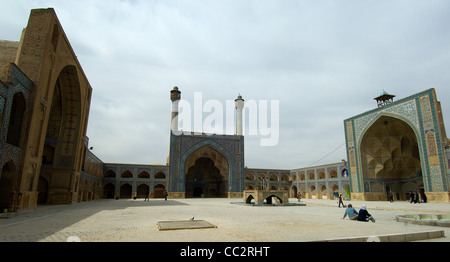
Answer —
(324, 61)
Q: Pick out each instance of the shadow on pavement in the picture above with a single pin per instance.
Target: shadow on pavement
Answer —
(40, 223)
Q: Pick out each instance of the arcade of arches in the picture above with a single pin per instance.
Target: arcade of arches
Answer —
(131, 182)
(126, 191)
(319, 182)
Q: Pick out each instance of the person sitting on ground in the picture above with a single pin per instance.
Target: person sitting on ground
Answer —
(350, 212)
(364, 215)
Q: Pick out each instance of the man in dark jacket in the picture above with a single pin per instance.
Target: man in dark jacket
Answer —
(351, 213)
(364, 216)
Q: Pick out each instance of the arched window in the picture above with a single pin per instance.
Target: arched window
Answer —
(109, 190)
(273, 177)
(321, 175)
(250, 176)
(110, 173)
(127, 174)
(125, 191)
(143, 174)
(8, 182)
(16, 119)
(333, 174)
(142, 191)
(302, 176)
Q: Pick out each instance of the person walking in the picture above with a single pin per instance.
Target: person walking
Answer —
(165, 195)
(424, 198)
(416, 198)
(147, 196)
(364, 216)
(391, 197)
(340, 201)
(411, 196)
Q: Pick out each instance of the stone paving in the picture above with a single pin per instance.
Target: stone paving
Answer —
(136, 221)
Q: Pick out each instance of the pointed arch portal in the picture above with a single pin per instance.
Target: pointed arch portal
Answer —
(390, 158)
(206, 174)
(62, 137)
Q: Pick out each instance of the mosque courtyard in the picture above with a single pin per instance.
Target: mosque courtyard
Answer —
(108, 220)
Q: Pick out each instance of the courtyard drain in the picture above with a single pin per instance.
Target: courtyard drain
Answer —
(184, 224)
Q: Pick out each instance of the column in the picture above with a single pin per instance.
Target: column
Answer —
(239, 104)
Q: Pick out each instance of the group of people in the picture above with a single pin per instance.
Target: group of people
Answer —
(362, 215)
(415, 198)
(147, 196)
(352, 214)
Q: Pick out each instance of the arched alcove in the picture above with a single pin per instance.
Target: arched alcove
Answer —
(390, 155)
(8, 183)
(206, 173)
(16, 119)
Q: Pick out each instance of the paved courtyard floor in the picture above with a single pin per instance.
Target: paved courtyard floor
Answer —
(136, 221)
